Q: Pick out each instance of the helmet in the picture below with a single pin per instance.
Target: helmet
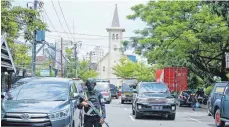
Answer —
(90, 83)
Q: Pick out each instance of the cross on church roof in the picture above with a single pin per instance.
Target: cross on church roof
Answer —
(115, 21)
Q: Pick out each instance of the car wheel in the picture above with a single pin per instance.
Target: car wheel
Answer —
(218, 122)
(122, 101)
(137, 115)
(172, 116)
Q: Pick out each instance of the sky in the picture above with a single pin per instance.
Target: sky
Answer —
(90, 17)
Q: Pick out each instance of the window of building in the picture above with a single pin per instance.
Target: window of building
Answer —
(116, 36)
(103, 68)
(115, 48)
(113, 37)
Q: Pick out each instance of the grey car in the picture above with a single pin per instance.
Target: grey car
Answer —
(49, 102)
(104, 88)
(153, 99)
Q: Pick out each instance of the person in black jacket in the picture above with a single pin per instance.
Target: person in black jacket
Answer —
(91, 118)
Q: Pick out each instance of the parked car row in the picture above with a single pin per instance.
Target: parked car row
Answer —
(218, 103)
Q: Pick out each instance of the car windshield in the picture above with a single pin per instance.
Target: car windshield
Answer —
(219, 89)
(41, 91)
(153, 88)
(126, 87)
(100, 86)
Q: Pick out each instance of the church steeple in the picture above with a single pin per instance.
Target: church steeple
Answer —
(115, 21)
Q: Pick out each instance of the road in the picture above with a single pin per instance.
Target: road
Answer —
(119, 115)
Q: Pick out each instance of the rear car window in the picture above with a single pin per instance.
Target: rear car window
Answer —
(219, 89)
(126, 87)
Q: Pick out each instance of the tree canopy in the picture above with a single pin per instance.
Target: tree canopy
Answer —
(183, 33)
(17, 21)
(129, 69)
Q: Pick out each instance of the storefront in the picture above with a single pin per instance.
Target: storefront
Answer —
(7, 65)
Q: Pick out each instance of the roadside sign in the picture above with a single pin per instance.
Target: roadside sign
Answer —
(44, 73)
(227, 60)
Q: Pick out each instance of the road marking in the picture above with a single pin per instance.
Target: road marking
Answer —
(194, 119)
(125, 109)
(131, 117)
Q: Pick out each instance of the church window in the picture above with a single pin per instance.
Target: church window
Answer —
(103, 68)
(113, 37)
(116, 36)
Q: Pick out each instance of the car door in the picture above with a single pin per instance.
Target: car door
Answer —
(135, 95)
(75, 111)
(225, 103)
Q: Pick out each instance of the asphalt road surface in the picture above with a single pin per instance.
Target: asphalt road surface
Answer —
(120, 115)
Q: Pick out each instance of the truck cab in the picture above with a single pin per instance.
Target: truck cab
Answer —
(222, 113)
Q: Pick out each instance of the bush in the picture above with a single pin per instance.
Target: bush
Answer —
(208, 90)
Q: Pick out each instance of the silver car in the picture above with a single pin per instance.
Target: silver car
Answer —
(49, 102)
(104, 88)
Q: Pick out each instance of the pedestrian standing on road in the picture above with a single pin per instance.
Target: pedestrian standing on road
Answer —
(94, 96)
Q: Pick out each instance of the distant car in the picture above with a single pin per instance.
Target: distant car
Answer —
(153, 99)
(126, 93)
(183, 98)
(114, 91)
(49, 102)
(23, 81)
(222, 113)
(214, 99)
(104, 88)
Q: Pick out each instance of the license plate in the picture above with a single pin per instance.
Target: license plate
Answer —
(157, 107)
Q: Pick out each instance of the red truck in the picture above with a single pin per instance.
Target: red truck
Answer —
(174, 77)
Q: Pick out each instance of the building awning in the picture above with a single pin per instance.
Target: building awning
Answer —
(7, 63)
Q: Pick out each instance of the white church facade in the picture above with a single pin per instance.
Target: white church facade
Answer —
(114, 54)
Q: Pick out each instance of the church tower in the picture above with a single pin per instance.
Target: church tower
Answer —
(115, 38)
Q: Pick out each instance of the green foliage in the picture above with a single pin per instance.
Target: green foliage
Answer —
(208, 90)
(129, 69)
(83, 71)
(183, 33)
(15, 20)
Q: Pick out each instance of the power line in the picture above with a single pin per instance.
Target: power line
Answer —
(58, 16)
(50, 21)
(65, 19)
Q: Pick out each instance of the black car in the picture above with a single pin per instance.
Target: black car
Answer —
(215, 97)
(114, 91)
(151, 98)
(126, 93)
(183, 98)
(222, 113)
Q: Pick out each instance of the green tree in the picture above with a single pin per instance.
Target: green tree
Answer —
(15, 20)
(183, 33)
(129, 69)
(126, 68)
(83, 71)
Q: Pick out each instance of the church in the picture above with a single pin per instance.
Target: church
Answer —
(114, 54)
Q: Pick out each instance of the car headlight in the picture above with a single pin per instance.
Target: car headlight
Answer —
(142, 100)
(170, 101)
(59, 115)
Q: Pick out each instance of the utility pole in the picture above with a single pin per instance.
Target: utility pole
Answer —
(61, 62)
(75, 55)
(34, 46)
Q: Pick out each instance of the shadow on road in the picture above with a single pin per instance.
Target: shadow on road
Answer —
(157, 118)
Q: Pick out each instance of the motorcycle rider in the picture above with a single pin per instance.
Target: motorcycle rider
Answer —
(96, 98)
